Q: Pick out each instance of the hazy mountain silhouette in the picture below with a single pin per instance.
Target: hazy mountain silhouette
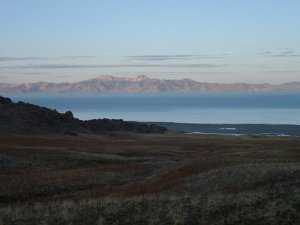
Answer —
(143, 84)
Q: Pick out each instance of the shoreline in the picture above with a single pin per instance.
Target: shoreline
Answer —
(279, 130)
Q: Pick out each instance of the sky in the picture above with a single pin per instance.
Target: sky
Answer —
(223, 41)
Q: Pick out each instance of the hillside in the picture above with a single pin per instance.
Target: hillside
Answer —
(142, 84)
(28, 118)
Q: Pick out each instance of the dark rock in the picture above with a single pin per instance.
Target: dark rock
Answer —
(68, 115)
(27, 118)
(4, 100)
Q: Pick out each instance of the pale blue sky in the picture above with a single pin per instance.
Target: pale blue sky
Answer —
(216, 40)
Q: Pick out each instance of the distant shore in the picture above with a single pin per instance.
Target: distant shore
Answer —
(234, 129)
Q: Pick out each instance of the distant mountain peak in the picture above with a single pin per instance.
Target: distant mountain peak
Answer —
(112, 78)
(141, 77)
(105, 77)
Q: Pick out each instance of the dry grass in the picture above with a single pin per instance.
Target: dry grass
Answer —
(149, 179)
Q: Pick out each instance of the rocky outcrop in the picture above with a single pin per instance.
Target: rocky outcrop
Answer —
(27, 118)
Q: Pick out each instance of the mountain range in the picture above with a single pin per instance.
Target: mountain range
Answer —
(142, 84)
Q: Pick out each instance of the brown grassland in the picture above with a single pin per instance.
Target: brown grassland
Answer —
(144, 179)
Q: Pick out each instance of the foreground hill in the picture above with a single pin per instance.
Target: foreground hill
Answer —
(28, 118)
(142, 84)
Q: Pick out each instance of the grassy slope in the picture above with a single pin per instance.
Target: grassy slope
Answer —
(149, 179)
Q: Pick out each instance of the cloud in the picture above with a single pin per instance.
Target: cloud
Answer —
(76, 57)
(11, 59)
(284, 53)
(8, 59)
(3, 76)
(91, 66)
(173, 57)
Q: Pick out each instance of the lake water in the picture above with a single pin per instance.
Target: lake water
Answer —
(185, 108)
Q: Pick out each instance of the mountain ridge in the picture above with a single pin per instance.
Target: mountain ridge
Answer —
(143, 84)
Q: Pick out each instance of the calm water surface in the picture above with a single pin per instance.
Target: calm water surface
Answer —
(187, 108)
